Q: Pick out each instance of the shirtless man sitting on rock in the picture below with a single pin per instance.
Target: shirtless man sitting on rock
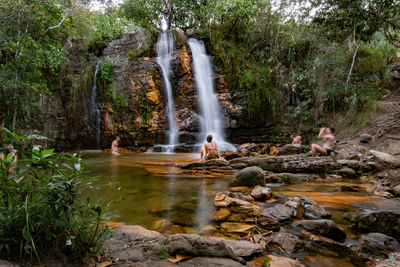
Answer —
(209, 150)
(329, 140)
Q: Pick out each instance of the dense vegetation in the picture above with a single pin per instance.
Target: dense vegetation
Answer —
(42, 213)
(301, 69)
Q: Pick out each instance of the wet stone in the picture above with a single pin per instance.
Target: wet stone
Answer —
(221, 214)
(261, 193)
(269, 224)
(279, 212)
(324, 227)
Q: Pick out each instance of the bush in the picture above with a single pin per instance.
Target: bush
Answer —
(41, 210)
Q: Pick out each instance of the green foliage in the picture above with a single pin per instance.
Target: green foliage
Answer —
(266, 262)
(106, 71)
(116, 98)
(140, 52)
(163, 253)
(41, 211)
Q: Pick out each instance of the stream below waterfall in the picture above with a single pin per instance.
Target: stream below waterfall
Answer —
(152, 192)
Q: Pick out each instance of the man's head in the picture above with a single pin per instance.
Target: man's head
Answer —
(8, 146)
(117, 138)
(209, 138)
(330, 130)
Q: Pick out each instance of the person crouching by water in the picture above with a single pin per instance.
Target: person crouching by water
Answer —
(296, 139)
(114, 146)
(209, 150)
(329, 140)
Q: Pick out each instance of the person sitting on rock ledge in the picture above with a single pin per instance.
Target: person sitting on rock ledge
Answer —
(209, 150)
(329, 140)
(114, 146)
(296, 139)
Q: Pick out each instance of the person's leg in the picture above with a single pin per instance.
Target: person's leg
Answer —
(202, 152)
(315, 149)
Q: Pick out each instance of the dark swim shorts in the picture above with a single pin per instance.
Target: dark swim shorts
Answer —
(328, 151)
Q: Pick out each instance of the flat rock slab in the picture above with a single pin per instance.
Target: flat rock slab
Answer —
(208, 163)
(191, 244)
(279, 212)
(147, 263)
(292, 164)
(283, 262)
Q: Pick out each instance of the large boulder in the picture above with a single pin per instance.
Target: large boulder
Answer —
(291, 164)
(379, 221)
(250, 176)
(289, 149)
(324, 227)
(385, 160)
(377, 245)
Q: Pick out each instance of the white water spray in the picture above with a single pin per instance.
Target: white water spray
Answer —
(210, 120)
(94, 122)
(165, 48)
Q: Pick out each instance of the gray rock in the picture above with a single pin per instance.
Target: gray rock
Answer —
(210, 262)
(261, 193)
(213, 163)
(284, 242)
(313, 210)
(347, 172)
(279, 212)
(146, 263)
(377, 245)
(249, 176)
(291, 164)
(396, 190)
(4, 263)
(136, 233)
(289, 149)
(365, 138)
(379, 221)
(385, 160)
(190, 244)
(324, 227)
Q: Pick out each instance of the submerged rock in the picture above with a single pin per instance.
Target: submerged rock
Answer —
(249, 176)
(261, 193)
(377, 245)
(324, 227)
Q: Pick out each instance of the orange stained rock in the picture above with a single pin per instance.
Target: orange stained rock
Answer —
(185, 60)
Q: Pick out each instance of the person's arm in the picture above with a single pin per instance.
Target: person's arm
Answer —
(321, 133)
(207, 150)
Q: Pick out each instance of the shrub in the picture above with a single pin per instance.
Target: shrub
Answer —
(41, 210)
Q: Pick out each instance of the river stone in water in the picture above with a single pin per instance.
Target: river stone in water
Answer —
(261, 193)
(379, 221)
(324, 227)
(269, 224)
(377, 245)
(249, 176)
(313, 210)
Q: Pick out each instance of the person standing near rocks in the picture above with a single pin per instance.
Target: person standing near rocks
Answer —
(209, 150)
(14, 156)
(329, 140)
(114, 146)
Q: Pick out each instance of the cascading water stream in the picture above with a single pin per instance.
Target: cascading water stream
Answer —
(165, 48)
(94, 120)
(210, 121)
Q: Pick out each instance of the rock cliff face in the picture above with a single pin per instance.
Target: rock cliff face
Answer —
(133, 103)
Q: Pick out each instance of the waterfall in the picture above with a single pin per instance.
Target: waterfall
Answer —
(165, 48)
(210, 120)
(94, 120)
